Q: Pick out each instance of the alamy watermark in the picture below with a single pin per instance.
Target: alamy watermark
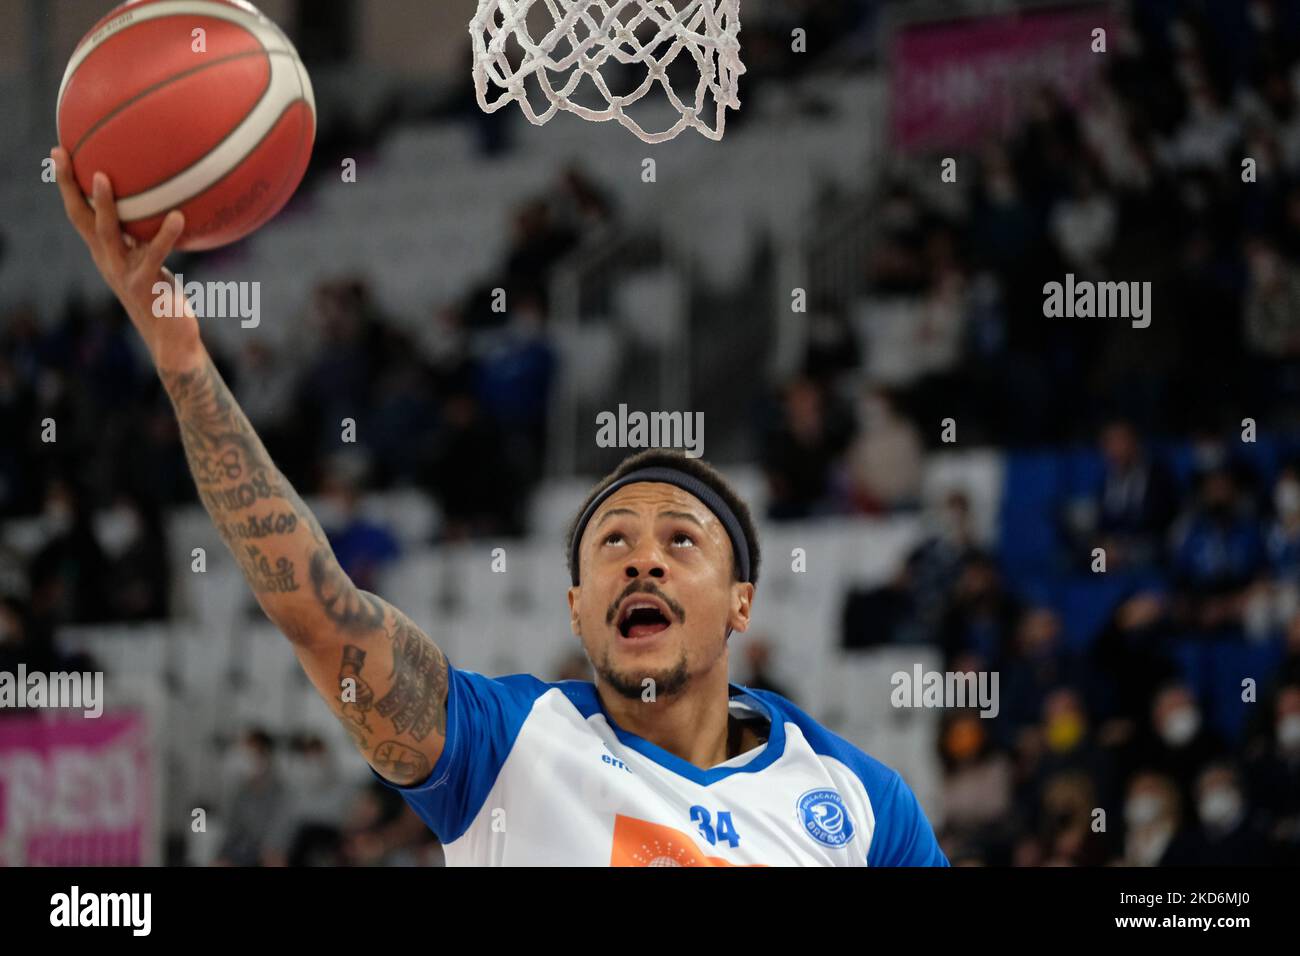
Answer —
(959, 689)
(133, 911)
(1085, 299)
(210, 300)
(626, 429)
(82, 691)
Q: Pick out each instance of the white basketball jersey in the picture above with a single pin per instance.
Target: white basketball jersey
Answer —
(536, 774)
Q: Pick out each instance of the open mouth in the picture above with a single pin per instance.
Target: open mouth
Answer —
(642, 617)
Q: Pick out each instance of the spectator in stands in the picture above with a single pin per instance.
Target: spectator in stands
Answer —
(935, 565)
(17, 407)
(1177, 743)
(881, 613)
(480, 500)
(1279, 602)
(811, 431)
(896, 265)
(265, 384)
(884, 461)
(1131, 657)
(69, 574)
(514, 377)
(362, 546)
(1039, 665)
(1274, 772)
(1083, 224)
(1272, 302)
(22, 643)
(256, 803)
(1066, 817)
(316, 800)
(981, 616)
(1152, 819)
(337, 382)
(537, 244)
(130, 534)
(1130, 513)
(1064, 731)
(1218, 551)
(1288, 671)
(381, 830)
(581, 206)
(1227, 834)
(1062, 743)
(978, 776)
(404, 409)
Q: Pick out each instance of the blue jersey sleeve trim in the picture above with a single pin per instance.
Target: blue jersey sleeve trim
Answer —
(902, 835)
(484, 717)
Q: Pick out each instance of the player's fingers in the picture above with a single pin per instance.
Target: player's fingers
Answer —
(107, 229)
(74, 202)
(160, 247)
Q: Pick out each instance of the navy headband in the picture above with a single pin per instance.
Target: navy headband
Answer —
(671, 476)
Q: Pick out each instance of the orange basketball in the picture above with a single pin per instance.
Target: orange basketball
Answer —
(197, 105)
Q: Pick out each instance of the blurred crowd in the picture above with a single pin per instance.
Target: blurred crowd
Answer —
(285, 802)
(1178, 715)
(1144, 182)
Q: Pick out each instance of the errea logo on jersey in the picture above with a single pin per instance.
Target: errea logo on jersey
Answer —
(614, 762)
(824, 818)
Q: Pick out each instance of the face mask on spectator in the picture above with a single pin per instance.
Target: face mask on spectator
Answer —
(1286, 498)
(116, 530)
(1180, 726)
(1142, 810)
(964, 740)
(1288, 731)
(1064, 732)
(243, 765)
(1220, 808)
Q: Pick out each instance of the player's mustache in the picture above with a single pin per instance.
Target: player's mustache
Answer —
(677, 610)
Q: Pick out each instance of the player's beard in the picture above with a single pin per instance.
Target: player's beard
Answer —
(667, 681)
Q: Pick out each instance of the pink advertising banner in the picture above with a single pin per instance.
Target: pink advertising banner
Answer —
(76, 791)
(955, 84)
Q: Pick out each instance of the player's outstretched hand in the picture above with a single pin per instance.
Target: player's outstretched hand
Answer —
(133, 269)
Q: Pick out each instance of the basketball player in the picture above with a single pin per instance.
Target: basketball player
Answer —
(659, 762)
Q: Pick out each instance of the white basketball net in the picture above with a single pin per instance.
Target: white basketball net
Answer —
(585, 34)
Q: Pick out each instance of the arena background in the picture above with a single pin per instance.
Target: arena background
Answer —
(866, 342)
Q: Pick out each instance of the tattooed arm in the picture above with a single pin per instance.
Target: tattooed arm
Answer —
(380, 674)
(383, 677)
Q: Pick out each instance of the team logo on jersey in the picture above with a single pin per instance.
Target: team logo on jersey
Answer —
(824, 818)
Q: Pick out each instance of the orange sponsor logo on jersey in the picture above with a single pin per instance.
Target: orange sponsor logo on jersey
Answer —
(642, 843)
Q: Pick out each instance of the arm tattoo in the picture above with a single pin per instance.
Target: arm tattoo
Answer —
(354, 658)
(265, 577)
(260, 518)
(234, 474)
(400, 763)
(342, 601)
(417, 701)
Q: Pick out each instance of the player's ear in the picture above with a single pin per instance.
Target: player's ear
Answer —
(575, 624)
(742, 601)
